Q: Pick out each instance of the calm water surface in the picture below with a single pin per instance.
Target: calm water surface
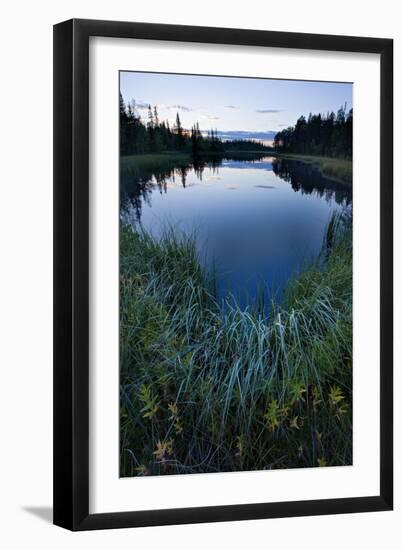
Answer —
(257, 221)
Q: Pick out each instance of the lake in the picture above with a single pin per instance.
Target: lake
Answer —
(257, 220)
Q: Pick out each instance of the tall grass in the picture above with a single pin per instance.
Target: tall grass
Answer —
(212, 389)
(154, 162)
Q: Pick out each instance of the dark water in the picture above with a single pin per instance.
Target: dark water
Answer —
(258, 220)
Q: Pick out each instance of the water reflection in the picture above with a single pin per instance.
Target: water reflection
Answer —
(136, 187)
(257, 220)
(307, 179)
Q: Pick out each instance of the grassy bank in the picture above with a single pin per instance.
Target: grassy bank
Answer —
(154, 162)
(159, 162)
(204, 390)
(339, 169)
(336, 168)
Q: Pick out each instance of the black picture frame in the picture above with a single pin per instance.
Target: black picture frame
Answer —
(71, 274)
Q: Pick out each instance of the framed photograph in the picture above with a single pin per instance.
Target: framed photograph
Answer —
(223, 321)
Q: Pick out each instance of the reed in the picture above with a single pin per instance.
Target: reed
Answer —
(212, 389)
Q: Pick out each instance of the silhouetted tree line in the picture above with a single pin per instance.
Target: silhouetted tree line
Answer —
(245, 146)
(155, 136)
(328, 135)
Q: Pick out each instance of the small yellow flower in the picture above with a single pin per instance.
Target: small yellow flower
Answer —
(297, 392)
(272, 415)
(342, 409)
(178, 427)
(149, 401)
(335, 395)
(173, 409)
(239, 445)
(163, 449)
(174, 417)
(294, 423)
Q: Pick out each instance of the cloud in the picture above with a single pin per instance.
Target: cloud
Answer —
(265, 111)
(208, 116)
(141, 106)
(231, 107)
(242, 134)
(231, 187)
(180, 108)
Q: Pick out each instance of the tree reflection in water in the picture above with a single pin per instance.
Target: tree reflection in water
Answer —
(136, 187)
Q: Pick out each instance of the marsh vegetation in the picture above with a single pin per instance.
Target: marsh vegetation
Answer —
(235, 297)
(207, 389)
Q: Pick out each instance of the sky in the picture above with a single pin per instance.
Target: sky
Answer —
(230, 103)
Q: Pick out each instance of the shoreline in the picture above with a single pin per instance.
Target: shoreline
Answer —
(334, 168)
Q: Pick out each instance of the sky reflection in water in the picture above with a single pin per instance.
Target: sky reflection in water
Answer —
(258, 221)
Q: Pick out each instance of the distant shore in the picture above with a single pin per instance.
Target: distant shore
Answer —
(177, 159)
